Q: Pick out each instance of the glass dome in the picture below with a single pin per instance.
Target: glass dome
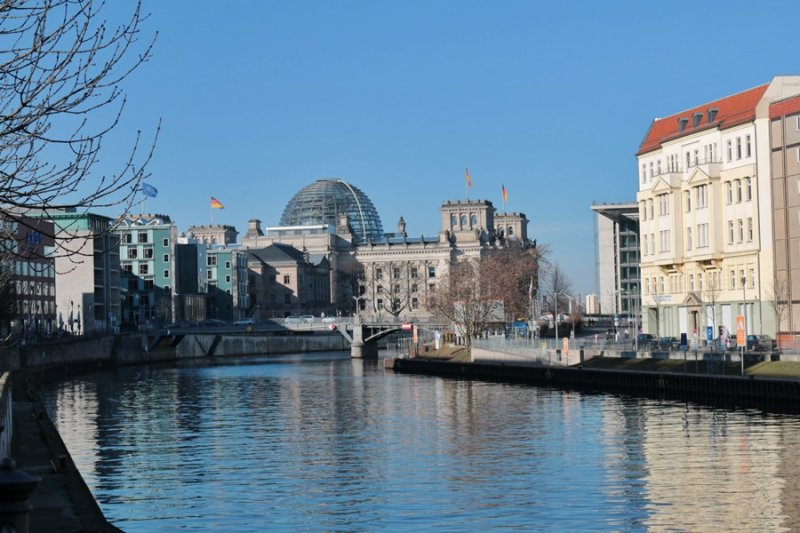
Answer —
(324, 200)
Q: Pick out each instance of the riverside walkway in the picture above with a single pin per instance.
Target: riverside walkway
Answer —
(61, 501)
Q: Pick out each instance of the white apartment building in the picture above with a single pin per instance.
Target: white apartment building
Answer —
(705, 215)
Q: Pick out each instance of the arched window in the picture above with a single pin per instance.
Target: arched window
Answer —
(474, 220)
(463, 221)
(510, 231)
(453, 221)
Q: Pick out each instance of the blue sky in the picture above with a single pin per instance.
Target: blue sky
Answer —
(551, 99)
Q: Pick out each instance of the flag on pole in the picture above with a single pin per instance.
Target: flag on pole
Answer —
(149, 190)
(505, 194)
(216, 204)
(469, 181)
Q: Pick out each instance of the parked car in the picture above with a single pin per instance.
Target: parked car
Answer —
(245, 322)
(308, 319)
(645, 340)
(669, 343)
(761, 343)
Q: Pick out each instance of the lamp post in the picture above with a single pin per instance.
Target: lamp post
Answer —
(744, 325)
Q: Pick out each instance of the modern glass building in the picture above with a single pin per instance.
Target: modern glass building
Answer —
(324, 201)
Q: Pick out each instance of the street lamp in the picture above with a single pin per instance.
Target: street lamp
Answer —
(744, 316)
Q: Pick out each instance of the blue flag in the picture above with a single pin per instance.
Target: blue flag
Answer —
(149, 190)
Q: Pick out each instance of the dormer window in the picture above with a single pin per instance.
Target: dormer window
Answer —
(712, 114)
(682, 122)
(697, 118)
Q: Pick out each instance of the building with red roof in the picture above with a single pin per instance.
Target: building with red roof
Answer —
(706, 216)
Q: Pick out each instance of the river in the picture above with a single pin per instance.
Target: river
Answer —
(320, 442)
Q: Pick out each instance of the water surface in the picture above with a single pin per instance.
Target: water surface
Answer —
(324, 443)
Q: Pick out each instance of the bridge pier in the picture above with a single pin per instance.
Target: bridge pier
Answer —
(360, 348)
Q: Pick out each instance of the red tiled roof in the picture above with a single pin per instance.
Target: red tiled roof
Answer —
(789, 106)
(733, 110)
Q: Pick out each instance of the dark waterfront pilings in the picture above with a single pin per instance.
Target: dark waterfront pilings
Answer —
(778, 395)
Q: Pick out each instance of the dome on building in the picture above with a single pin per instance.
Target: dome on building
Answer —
(324, 201)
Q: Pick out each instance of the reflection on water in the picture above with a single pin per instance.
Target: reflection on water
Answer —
(320, 442)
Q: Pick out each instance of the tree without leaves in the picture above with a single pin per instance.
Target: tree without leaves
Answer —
(557, 285)
(466, 296)
(61, 69)
(513, 269)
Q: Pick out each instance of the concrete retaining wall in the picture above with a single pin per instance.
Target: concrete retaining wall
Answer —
(769, 394)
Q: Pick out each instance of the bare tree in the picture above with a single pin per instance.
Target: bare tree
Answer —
(466, 297)
(558, 286)
(711, 292)
(780, 301)
(514, 270)
(349, 281)
(61, 69)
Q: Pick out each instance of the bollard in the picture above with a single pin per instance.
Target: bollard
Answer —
(15, 488)
(581, 355)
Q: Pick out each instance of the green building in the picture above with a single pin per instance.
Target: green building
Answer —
(148, 261)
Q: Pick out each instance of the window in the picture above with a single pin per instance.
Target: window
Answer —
(738, 191)
(378, 273)
(644, 173)
(696, 157)
(379, 301)
(414, 303)
(652, 243)
(747, 149)
(644, 210)
(397, 289)
(148, 252)
(738, 148)
(730, 232)
(700, 282)
(142, 236)
(474, 220)
(688, 160)
(702, 235)
(211, 260)
(165, 258)
(128, 238)
(733, 279)
(663, 204)
(701, 198)
(165, 242)
(132, 253)
(748, 190)
(227, 265)
(414, 273)
(691, 282)
(687, 200)
(646, 285)
(729, 192)
(379, 290)
(741, 230)
(688, 238)
(752, 278)
(143, 268)
(463, 221)
(210, 274)
(730, 150)
(414, 288)
(664, 245)
(650, 208)
(166, 273)
(396, 273)
(510, 231)
(453, 221)
(658, 167)
(227, 279)
(644, 244)
(651, 170)
(749, 229)
(286, 279)
(431, 271)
